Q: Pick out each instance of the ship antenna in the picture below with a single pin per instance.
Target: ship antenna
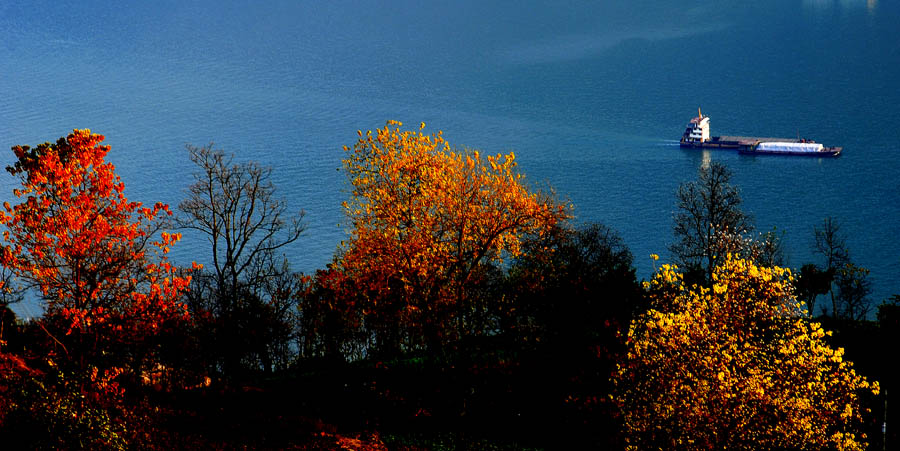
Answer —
(699, 114)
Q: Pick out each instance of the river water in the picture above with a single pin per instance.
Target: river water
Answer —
(591, 96)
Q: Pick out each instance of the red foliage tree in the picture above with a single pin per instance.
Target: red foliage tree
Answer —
(92, 254)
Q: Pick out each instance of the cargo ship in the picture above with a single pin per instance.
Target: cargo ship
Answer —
(696, 135)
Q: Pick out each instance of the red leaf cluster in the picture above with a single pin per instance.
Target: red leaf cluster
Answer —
(91, 252)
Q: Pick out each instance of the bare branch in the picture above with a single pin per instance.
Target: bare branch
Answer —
(234, 205)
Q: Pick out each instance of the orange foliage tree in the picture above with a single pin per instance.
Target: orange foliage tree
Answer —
(736, 366)
(92, 254)
(424, 219)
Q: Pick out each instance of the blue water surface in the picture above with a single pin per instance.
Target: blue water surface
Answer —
(591, 96)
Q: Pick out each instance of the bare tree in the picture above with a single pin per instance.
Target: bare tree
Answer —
(854, 288)
(810, 283)
(831, 244)
(708, 209)
(768, 249)
(234, 205)
(849, 284)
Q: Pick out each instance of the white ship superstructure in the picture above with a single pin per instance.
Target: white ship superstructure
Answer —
(697, 130)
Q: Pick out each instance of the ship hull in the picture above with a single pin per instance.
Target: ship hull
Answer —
(747, 145)
(709, 145)
(827, 152)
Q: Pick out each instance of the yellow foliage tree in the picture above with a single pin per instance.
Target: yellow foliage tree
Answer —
(735, 367)
(424, 217)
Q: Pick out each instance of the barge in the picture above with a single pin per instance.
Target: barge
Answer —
(696, 135)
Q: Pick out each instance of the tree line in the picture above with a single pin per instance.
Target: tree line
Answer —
(455, 269)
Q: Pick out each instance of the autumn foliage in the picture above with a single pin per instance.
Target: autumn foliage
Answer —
(736, 366)
(91, 252)
(424, 217)
(465, 308)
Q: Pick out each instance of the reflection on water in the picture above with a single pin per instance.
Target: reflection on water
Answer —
(822, 5)
(576, 47)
